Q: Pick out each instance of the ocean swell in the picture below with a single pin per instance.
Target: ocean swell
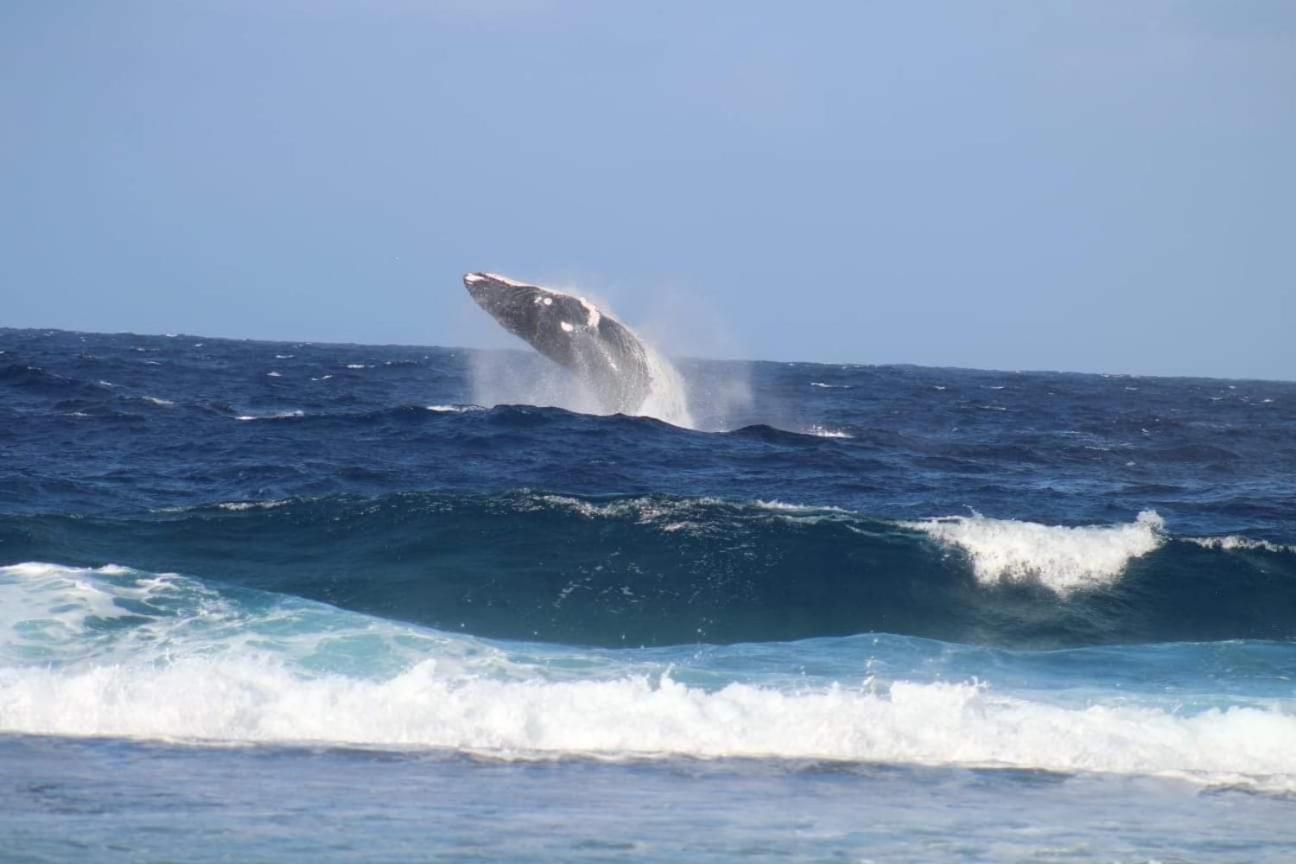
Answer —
(661, 570)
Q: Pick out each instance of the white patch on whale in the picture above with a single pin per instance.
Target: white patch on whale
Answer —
(592, 312)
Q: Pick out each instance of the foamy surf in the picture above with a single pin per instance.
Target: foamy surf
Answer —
(251, 699)
(1234, 543)
(1059, 557)
(189, 664)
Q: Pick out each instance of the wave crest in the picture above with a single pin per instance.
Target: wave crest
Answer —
(663, 570)
(1062, 558)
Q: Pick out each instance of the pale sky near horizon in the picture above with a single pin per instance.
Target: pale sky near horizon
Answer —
(1090, 186)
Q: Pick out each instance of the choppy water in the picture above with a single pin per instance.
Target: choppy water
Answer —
(299, 591)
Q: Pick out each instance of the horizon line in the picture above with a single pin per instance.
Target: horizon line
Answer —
(685, 357)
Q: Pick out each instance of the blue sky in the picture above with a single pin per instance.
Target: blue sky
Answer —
(1029, 185)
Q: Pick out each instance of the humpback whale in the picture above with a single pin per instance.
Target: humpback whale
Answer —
(574, 333)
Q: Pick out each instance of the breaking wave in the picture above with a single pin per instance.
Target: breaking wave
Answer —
(128, 653)
(661, 570)
(1059, 557)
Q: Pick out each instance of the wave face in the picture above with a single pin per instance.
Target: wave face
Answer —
(655, 570)
(207, 541)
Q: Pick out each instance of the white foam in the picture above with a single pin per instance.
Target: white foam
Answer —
(831, 386)
(54, 596)
(453, 409)
(643, 510)
(280, 415)
(1059, 557)
(1234, 543)
(165, 403)
(356, 366)
(785, 507)
(204, 669)
(273, 375)
(567, 328)
(253, 699)
(238, 506)
(803, 514)
(825, 432)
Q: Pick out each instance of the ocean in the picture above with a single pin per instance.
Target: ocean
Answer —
(314, 602)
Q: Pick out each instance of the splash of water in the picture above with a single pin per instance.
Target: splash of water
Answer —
(668, 396)
(512, 378)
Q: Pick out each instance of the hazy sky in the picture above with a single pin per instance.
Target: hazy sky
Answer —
(1095, 186)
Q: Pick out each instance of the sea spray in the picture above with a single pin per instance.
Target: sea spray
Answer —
(516, 378)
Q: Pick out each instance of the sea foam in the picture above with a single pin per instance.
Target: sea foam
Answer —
(242, 697)
(1059, 557)
(200, 667)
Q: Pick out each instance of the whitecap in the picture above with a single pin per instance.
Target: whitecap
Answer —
(1059, 557)
(280, 415)
(453, 409)
(1234, 543)
(239, 506)
(825, 432)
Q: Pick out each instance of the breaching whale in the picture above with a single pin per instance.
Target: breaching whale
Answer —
(574, 333)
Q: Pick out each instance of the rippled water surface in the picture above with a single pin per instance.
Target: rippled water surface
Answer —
(279, 601)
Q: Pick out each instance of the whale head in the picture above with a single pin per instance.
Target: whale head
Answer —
(549, 320)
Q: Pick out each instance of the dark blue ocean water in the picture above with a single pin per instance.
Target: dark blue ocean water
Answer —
(314, 602)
